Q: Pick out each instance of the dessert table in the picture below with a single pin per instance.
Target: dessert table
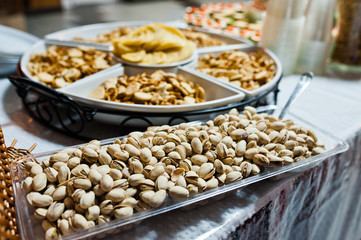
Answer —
(319, 203)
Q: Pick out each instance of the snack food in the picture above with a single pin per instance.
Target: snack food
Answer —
(201, 39)
(246, 70)
(231, 18)
(154, 44)
(107, 37)
(77, 188)
(158, 88)
(59, 66)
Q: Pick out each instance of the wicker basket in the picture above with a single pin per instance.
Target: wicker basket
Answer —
(8, 226)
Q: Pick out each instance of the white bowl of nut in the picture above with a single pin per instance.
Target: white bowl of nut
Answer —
(250, 69)
(59, 66)
(158, 91)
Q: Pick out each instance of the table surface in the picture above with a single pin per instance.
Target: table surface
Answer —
(330, 103)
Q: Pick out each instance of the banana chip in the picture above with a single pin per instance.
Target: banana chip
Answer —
(154, 44)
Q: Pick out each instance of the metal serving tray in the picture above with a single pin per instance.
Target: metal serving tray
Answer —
(30, 227)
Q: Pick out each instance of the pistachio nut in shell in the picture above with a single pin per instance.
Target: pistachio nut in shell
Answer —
(123, 212)
(39, 182)
(177, 192)
(55, 210)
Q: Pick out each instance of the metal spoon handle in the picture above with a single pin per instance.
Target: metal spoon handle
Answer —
(300, 87)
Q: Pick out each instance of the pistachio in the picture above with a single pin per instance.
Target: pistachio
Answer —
(106, 207)
(233, 176)
(35, 170)
(212, 183)
(116, 195)
(158, 198)
(39, 182)
(82, 183)
(89, 155)
(199, 159)
(129, 202)
(262, 160)
(51, 233)
(27, 184)
(161, 183)
(60, 193)
(87, 200)
(123, 212)
(250, 153)
(73, 162)
(104, 157)
(178, 192)
(156, 172)
(63, 173)
(206, 171)
(145, 155)
(59, 157)
(54, 211)
(135, 179)
(78, 193)
(246, 169)
(41, 200)
(64, 226)
(78, 221)
(40, 213)
(106, 183)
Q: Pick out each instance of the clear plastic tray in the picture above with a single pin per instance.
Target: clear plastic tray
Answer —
(30, 227)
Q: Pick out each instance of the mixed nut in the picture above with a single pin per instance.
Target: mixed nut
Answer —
(78, 188)
(60, 66)
(246, 70)
(158, 88)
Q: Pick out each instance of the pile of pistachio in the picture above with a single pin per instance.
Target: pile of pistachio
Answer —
(78, 188)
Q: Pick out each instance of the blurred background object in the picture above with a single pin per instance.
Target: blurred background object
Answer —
(316, 37)
(282, 30)
(346, 55)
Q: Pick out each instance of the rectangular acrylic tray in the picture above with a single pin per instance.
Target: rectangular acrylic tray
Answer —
(30, 227)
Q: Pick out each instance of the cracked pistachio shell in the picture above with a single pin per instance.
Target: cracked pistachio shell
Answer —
(90, 155)
(206, 171)
(51, 233)
(233, 176)
(104, 157)
(78, 221)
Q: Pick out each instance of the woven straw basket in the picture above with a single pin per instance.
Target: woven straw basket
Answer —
(8, 226)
